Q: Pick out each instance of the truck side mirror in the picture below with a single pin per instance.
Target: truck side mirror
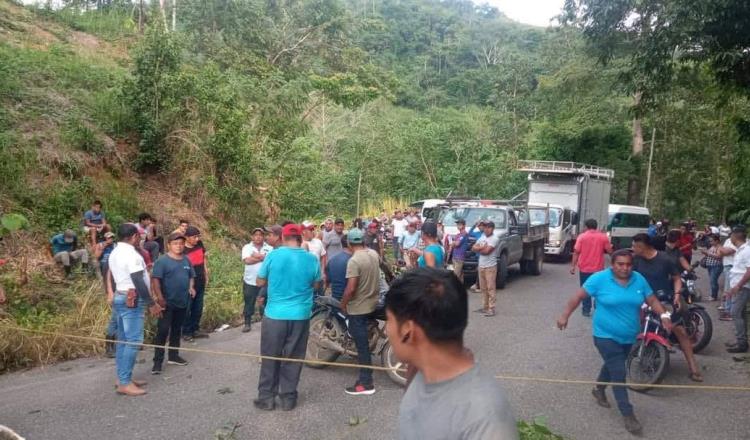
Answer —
(575, 218)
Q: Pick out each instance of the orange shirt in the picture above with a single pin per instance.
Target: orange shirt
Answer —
(591, 247)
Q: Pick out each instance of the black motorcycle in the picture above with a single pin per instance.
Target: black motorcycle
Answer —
(329, 338)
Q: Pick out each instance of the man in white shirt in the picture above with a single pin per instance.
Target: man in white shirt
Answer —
(398, 226)
(252, 256)
(485, 247)
(315, 246)
(739, 280)
(727, 251)
(130, 297)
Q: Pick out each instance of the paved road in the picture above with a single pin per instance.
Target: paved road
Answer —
(75, 400)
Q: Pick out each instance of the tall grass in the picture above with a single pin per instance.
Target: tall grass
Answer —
(373, 208)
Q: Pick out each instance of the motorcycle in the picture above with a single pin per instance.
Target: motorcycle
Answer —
(689, 284)
(329, 338)
(648, 360)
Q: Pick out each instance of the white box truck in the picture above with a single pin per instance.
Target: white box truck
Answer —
(572, 192)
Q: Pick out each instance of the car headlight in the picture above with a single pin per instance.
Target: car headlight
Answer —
(556, 243)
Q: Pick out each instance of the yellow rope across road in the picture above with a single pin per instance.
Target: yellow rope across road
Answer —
(376, 368)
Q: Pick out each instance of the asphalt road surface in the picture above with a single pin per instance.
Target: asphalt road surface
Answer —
(76, 400)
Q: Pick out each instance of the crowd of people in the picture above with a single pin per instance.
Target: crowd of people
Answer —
(288, 265)
(650, 272)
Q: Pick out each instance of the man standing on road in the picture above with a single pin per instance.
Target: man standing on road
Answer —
(410, 242)
(336, 271)
(485, 247)
(739, 293)
(275, 240)
(332, 240)
(64, 250)
(172, 284)
(588, 256)
(130, 297)
(292, 274)
(457, 248)
(663, 275)
(450, 397)
(359, 302)
(198, 256)
(398, 227)
(373, 240)
(253, 255)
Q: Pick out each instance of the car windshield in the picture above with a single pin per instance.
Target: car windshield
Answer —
(472, 215)
(539, 216)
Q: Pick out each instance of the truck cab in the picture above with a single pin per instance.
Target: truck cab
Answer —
(563, 228)
(427, 208)
(519, 241)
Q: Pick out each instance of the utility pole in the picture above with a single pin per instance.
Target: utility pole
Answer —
(648, 174)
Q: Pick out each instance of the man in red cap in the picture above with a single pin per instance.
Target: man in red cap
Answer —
(373, 240)
(292, 274)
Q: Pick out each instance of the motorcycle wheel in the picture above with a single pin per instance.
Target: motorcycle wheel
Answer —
(647, 369)
(322, 326)
(699, 328)
(388, 359)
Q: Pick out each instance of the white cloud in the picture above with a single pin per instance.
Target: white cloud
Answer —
(535, 12)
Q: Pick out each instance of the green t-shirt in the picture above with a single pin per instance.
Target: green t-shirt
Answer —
(365, 265)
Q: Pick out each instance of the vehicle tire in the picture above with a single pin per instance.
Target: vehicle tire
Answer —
(323, 326)
(699, 328)
(502, 271)
(388, 359)
(647, 369)
(538, 262)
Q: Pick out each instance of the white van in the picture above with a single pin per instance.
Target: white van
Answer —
(426, 208)
(624, 222)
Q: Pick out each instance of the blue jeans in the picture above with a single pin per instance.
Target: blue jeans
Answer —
(358, 329)
(195, 310)
(714, 272)
(396, 249)
(613, 370)
(129, 329)
(112, 326)
(586, 305)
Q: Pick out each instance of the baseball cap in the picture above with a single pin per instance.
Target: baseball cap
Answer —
(489, 224)
(339, 221)
(739, 229)
(257, 229)
(69, 236)
(274, 229)
(460, 221)
(192, 231)
(354, 236)
(109, 235)
(175, 236)
(373, 225)
(291, 230)
(307, 224)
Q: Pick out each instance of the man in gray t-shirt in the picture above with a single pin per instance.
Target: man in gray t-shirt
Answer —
(332, 239)
(486, 247)
(450, 397)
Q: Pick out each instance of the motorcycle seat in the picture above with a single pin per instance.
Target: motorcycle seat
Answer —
(328, 301)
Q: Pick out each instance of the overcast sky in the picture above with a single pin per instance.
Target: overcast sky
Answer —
(536, 12)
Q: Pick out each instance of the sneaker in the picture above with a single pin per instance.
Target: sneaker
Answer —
(156, 368)
(633, 425)
(177, 361)
(601, 397)
(482, 310)
(246, 328)
(360, 390)
(200, 335)
(288, 404)
(738, 349)
(730, 344)
(187, 338)
(725, 317)
(265, 404)
(489, 313)
(721, 308)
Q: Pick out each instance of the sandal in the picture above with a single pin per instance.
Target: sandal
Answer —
(695, 377)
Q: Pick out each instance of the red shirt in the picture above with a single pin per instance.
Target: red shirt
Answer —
(591, 247)
(686, 240)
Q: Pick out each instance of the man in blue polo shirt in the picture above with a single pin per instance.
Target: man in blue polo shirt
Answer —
(291, 274)
(64, 249)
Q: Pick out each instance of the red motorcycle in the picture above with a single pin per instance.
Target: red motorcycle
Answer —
(648, 361)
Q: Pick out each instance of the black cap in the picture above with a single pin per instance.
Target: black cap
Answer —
(489, 224)
(192, 231)
(126, 230)
(460, 221)
(430, 228)
(339, 221)
(740, 229)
